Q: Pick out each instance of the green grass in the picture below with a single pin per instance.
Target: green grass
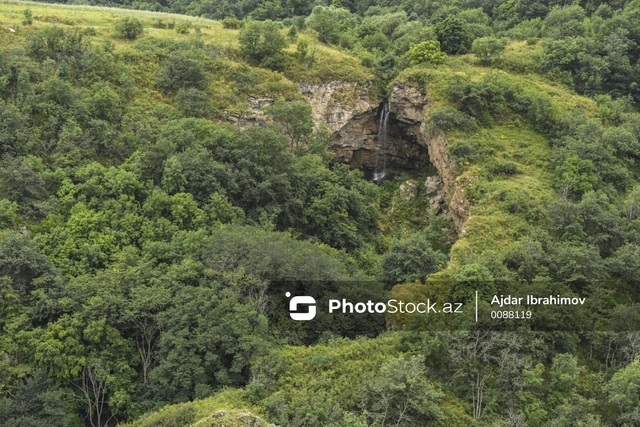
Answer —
(329, 63)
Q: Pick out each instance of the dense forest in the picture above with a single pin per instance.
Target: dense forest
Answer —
(147, 239)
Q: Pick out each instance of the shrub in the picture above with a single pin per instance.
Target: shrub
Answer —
(129, 28)
(484, 100)
(464, 150)
(503, 167)
(28, 17)
(488, 49)
(532, 41)
(302, 49)
(232, 23)
(450, 118)
(183, 27)
(410, 261)
(183, 69)
(292, 34)
(193, 102)
(427, 51)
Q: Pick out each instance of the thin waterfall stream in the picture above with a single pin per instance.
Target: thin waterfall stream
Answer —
(381, 149)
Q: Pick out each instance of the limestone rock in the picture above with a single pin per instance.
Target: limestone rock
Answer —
(337, 103)
(407, 103)
(453, 191)
(432, 184)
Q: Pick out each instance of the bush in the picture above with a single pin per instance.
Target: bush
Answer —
(488, 49)
(464, 151)
(183, 69)
(532, 41)
(410, 261)
(129, 28)
(183, 27)
(232, 23)
(28, 17)
(193, 102)
(484, 100)
(503, 167)
(427, 51)
(302, 49)
(450, 118)
(292, 34)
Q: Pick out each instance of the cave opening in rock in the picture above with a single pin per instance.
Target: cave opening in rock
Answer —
(388, 146)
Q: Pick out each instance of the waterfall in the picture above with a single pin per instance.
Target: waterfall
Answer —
(381, 149)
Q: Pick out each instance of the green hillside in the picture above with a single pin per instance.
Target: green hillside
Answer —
(147, 239)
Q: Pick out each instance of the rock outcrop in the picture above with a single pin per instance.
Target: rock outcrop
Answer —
(449, 193)
(352, 114)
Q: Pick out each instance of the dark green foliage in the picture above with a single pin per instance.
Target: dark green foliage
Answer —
(503, 168)
(232, 23)
(28, 17)
(488, 49)
(454, 35)
(464, 151)
(129, 28)
(410, 261)
(19, 182)
(483, 101)
(37, 402)
(193, 102)
(330, 22)
(294, 119)
(183, 69)
(451, 118)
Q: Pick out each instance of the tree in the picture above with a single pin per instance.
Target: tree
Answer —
(22, 184)
(262, 42)
(454, 35)
(294, 119)
(427, 51)
(401, 395)
(624, 392)
(37, 402)
(129, 28)
(330, 22)
(488, 49)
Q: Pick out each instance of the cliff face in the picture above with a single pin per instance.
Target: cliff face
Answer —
(352, 114)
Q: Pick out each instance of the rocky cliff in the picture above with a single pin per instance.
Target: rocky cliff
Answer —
(352, 114)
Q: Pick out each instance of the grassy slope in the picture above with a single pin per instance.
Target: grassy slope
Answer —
(491, 224)
(330, 64)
